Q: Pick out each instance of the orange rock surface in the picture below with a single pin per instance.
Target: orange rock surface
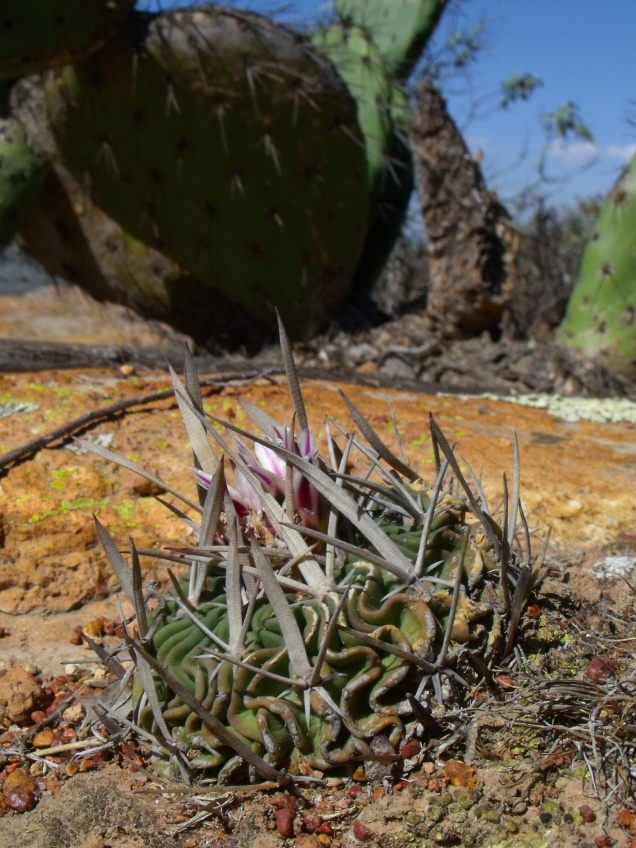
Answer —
(577, 477)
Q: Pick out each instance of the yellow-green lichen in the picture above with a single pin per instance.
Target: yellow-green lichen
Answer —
(126, 510)
(59, 478)
(83, 505)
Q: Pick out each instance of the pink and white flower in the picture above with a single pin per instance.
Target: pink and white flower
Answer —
(271, 470)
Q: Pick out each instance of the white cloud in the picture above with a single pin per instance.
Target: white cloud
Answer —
(623, 152)
(578, 153)
(574, 153)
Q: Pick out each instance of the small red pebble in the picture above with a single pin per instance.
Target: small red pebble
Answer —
(354, 791)
(533, 611)
(603, 840)
(587, 814)
(625, 819)
(410, 749)
(326, 829)
(361, 831)
(283, 801)
(601, 670)
(19, 791)
(38, 716)
(285, 822)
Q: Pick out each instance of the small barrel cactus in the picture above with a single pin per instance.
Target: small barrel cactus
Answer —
(322, 607)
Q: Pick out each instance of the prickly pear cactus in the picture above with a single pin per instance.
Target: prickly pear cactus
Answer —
(243, 164)
(21, 174)
(324, 610)
(601, 314)
(358, 62)
(40, 34)
(382, 111)
(260, 166)
(399, 28)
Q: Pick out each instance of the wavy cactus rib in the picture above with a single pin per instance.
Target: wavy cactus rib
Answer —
(40, 34)
(224, 141)
(298, 644)
(601, 314)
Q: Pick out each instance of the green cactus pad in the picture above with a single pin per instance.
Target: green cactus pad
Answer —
(398, 28)
(40, 34)
(21, 174)
(382, 115)
(223, 141)
(601, 314)
(361, 67)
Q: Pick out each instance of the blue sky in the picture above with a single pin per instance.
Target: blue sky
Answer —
(583, 51)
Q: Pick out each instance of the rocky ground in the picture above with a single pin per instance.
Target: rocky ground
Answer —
(542, 755)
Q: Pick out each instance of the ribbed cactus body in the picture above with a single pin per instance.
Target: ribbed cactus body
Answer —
(316, 616)
(601, 314)
(367, 683)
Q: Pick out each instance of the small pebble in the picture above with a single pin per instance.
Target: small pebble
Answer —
(74, 713)
(283, 801)
(43, 739)
(395, 366)
(19, 791)
(410, 749)
(285, 822)
(601, 670)
(307, 840)
(459, 774)
(587, 814)
(361, 831)
(625, 818)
